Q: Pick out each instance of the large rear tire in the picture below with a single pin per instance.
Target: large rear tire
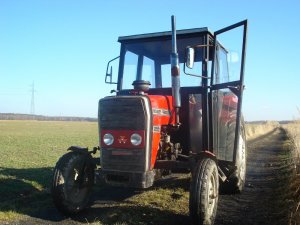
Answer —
(72, 182)
(204, 192)
(236, 182)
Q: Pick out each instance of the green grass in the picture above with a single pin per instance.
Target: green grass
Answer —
(29, 151)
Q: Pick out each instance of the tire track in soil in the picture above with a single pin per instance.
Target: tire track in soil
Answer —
(264, 199)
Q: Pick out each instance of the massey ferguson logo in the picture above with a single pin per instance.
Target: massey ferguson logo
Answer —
(122, 140)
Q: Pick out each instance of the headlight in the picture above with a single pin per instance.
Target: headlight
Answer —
(108, 139)
(136, 139)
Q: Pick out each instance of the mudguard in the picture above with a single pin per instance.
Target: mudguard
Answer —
(87, 153)
(78, 149)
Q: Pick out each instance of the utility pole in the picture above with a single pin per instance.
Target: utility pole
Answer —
(32, 99)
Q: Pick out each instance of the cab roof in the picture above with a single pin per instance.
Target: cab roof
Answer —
(166, 35)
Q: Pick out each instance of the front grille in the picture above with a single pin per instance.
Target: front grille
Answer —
(123, 113)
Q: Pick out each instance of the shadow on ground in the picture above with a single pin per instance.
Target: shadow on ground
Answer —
(131, 215)
(27, 192)
(112, 205)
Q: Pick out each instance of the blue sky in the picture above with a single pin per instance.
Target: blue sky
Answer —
(63, 46)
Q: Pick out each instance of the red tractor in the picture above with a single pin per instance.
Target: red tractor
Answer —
(155, 123)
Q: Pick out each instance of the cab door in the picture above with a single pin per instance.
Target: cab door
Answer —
(226, 92)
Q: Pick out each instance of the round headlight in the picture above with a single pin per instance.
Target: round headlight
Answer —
(108, 139)
(136, 139)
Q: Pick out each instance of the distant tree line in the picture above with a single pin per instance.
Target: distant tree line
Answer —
(14, 116)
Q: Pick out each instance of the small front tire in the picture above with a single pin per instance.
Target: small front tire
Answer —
(72, 182)
(204, 193)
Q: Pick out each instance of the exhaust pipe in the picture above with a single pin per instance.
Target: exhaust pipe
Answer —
(175, 72)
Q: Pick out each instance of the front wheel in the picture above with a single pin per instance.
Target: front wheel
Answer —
(204, 192)
(72, 182)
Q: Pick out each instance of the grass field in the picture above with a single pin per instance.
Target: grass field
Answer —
(29, 151)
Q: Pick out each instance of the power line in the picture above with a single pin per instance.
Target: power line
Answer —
(32, 99)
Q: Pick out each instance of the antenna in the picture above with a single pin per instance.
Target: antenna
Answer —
(32, 99)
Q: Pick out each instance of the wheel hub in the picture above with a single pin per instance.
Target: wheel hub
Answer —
(212, 195)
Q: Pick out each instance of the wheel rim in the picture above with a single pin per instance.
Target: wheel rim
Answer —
(212, 194)
(77, 187)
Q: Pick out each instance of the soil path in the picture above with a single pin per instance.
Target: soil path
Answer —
(264, 200)
(265, 197)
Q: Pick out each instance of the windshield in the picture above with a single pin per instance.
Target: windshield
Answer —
(150, 60)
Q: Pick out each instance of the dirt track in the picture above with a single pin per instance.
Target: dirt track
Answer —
(264, 200)
(265, 197)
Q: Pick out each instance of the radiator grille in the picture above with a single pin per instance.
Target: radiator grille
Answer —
(122, 114)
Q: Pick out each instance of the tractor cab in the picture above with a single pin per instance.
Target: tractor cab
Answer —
(209, 104)
(146, 59)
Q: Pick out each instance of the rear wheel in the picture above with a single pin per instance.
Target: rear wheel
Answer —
(204, 192)
(236, 182)
(72, 183)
